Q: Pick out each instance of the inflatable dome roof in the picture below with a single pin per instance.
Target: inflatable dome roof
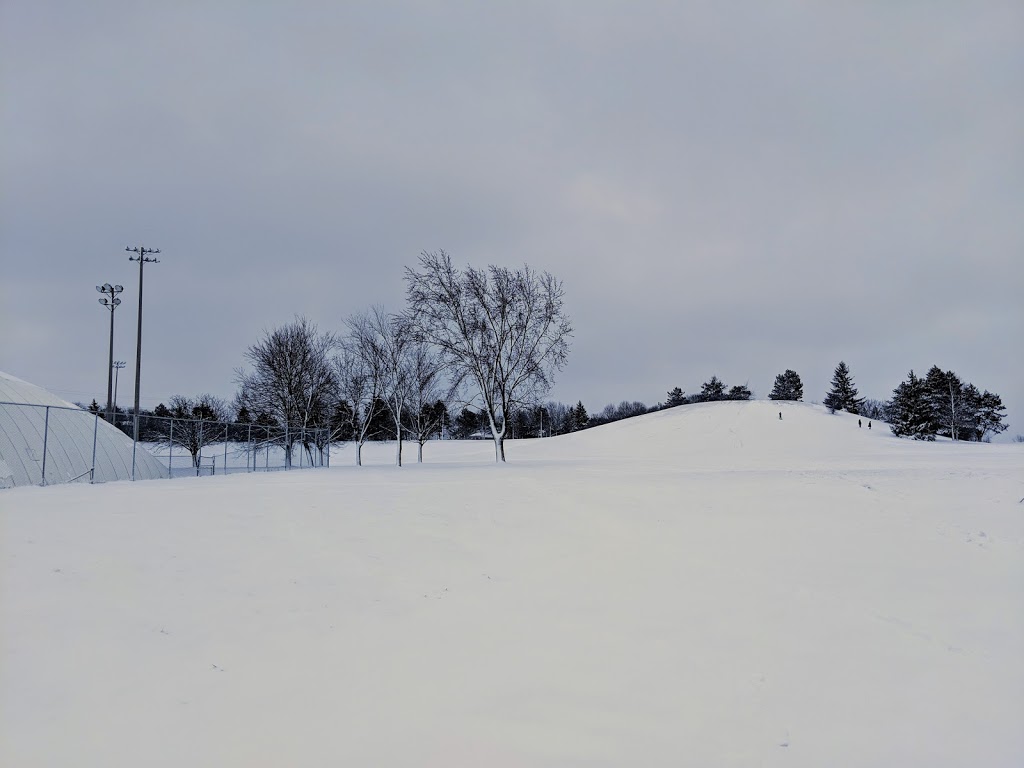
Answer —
(69, 436)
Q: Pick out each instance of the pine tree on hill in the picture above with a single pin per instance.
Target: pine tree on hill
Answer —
(949, 404)
(909, 413)
(712, 390)
(941, 404)
(676, 396)
(843, 395)
(580, 417)
(787, 387)
(990, 415)
(739, 392)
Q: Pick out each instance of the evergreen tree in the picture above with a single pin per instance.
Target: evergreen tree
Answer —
(946, 406)
(787, 387)
(712, 390)
(739, 392)
(243, 416)
(843, 395)
(580, 419)
(466, 424)
(990, 415)
(909, 412)
(570, 424)
(676, 396)
(381, 426)
(949, 404)
(94, 407)
(343, 421)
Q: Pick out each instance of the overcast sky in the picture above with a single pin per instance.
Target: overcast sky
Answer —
(724, 188)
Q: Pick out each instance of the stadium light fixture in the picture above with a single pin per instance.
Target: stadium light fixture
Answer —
(110, 303)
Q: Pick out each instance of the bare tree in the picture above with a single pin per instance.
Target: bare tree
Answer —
(382, 343)
(292, 379)
(189, 423)
(558, 418)
(427, 394)
(360, 381)
(502, 331)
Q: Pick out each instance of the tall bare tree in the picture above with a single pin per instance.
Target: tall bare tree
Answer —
(427, 394)
(503, 332)
(383, 341)
(360, 381)
(292, 379)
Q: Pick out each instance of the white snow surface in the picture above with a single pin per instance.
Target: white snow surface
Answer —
(707, 586)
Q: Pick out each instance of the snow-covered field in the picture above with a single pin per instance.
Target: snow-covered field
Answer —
(706, 586)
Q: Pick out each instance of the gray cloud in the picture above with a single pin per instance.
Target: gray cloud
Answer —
(731, 190)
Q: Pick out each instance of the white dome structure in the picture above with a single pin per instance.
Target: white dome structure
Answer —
(31, 417)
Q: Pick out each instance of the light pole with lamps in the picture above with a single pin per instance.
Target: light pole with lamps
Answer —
(110, 303)
(118, 365)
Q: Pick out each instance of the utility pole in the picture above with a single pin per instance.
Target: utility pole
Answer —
(142, 255)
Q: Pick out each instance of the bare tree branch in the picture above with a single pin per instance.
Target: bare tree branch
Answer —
(503, 330)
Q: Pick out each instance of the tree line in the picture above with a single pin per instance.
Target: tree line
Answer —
(354, 397)
(471, 356)
(489, 339)
(940, 404)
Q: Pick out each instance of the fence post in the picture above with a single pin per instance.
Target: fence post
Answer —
(46, 434)
(135, 434)
(199, 456)
(248, 450)
(266, 452)
(95, 429)
(287, 448)
(170, 451)
(329, 436)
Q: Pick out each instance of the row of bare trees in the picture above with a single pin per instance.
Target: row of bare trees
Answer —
(492, 338)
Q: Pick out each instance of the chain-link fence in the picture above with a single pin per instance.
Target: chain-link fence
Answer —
(205, 447)
(49, 444)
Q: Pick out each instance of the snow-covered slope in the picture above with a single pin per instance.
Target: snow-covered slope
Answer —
(707, 585)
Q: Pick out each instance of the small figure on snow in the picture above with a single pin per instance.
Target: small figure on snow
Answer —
(780, 415)
(859, 425)
(869, 425)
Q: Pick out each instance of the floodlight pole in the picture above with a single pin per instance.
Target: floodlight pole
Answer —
(143, 257)
(112, 303)
(118, 365)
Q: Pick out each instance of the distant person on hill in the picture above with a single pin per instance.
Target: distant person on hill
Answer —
(780, 415)
(859, 425)
(869, 425)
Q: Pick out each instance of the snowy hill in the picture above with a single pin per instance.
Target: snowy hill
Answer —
(728, 434)
(706, 585)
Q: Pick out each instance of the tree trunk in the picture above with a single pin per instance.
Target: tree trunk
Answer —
(398, 449)
(499, 447)
(419, 454)
(359, 454)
